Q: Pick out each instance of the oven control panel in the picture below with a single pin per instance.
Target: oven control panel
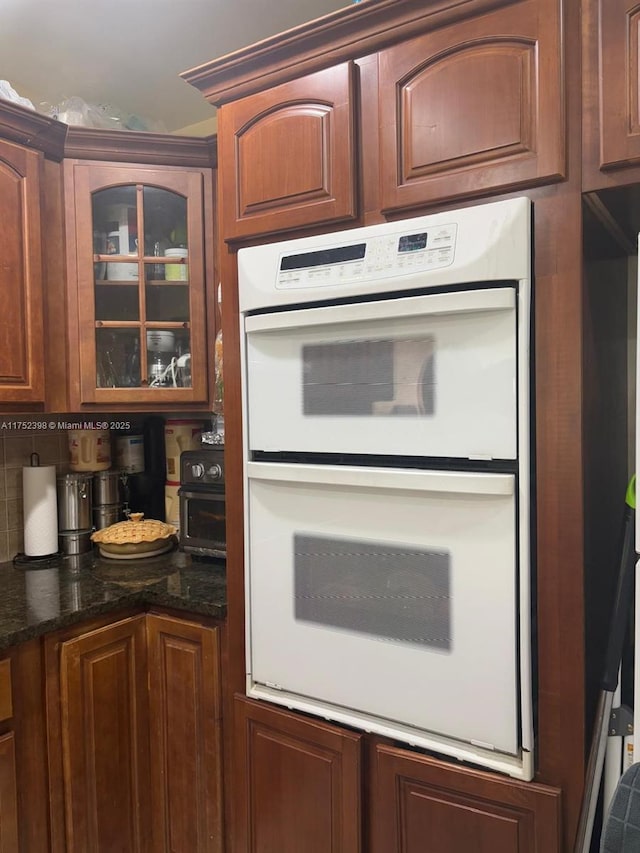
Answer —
(380, 257)
(204, 467)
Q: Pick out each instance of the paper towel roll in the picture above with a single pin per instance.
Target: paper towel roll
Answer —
(40, 510)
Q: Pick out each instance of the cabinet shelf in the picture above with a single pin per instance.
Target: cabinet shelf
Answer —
(160, 282)
(137, 324)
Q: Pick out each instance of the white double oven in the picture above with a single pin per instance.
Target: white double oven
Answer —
(386, 393)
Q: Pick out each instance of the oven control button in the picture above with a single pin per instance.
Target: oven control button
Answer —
(197, 470)
(214, 472)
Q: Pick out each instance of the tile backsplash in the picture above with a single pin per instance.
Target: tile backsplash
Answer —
(16, 448)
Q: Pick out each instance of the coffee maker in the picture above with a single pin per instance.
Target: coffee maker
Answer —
(144, 491)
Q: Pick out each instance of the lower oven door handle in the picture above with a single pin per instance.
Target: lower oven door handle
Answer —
(385, 478)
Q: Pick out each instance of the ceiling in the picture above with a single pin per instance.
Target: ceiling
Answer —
(127, 54)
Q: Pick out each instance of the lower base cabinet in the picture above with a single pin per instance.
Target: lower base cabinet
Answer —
(24, 825)
(134, 737)
(185, 728)
(9, 839)
(420, 803)
(104, 725)
(299, 783)
(300, 789)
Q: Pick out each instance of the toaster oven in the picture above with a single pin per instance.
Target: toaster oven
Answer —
(202, 502)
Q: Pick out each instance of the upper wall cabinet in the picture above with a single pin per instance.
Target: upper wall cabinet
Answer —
(474, 107)
(611, 93)
(136, 270)
(21, 323)
(287, 155)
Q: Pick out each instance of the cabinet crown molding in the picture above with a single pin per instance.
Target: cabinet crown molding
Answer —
(348, 33)
(57, 140)
(22, 125)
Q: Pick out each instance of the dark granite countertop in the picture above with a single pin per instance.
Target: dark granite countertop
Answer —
(35, 601)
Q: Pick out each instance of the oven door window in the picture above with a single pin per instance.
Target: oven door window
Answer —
(432, 375)
(389, 592)
(205, 519)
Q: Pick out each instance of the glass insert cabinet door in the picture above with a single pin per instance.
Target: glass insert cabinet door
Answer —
(141, 284)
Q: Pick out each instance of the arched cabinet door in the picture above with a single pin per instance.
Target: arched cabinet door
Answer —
(612, 93)
(138, 276)
(473, 108)
(287, 155)
(21, 321)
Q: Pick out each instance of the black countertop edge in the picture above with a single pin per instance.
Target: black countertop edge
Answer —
(65, 591)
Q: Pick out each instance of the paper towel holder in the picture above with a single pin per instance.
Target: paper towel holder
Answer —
(26, 561)
(49, 561)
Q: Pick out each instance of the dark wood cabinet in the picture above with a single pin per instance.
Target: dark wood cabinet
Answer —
(21, 297)
(419, 803)
(76, 326)
(299, 783)
(21, 681)
(611, 90)
(185, 728)
(9, 841)
(137, 278)
(289, 155)
(133, 710)
(104, 723)
(474, 107)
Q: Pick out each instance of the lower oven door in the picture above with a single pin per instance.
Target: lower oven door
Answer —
(388, 599)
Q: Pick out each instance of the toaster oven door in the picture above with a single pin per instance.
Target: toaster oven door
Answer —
(202, 522)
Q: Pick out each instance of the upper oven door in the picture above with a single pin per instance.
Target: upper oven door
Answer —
(431, 375)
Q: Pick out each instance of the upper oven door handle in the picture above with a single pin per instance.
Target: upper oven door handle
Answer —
(463, 301)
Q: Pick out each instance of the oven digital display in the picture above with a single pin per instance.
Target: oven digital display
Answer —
(412, 242)
(323, 257)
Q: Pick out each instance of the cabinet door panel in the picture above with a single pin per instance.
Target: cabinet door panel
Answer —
(8, 796)
(473, 108)
(288, 155)
(421, 803)
(21, 323)
(184, 683)
(103, 695)
(299, 783)
(619, 83)
(124, 291)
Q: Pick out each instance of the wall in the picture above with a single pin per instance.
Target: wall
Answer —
(16, 447)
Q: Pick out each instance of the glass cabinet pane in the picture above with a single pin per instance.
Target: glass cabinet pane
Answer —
(141, 287)
(117, 302)
(115, 221)
(167, 303)
(168, 358)
(118, 358)
(165, 221)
